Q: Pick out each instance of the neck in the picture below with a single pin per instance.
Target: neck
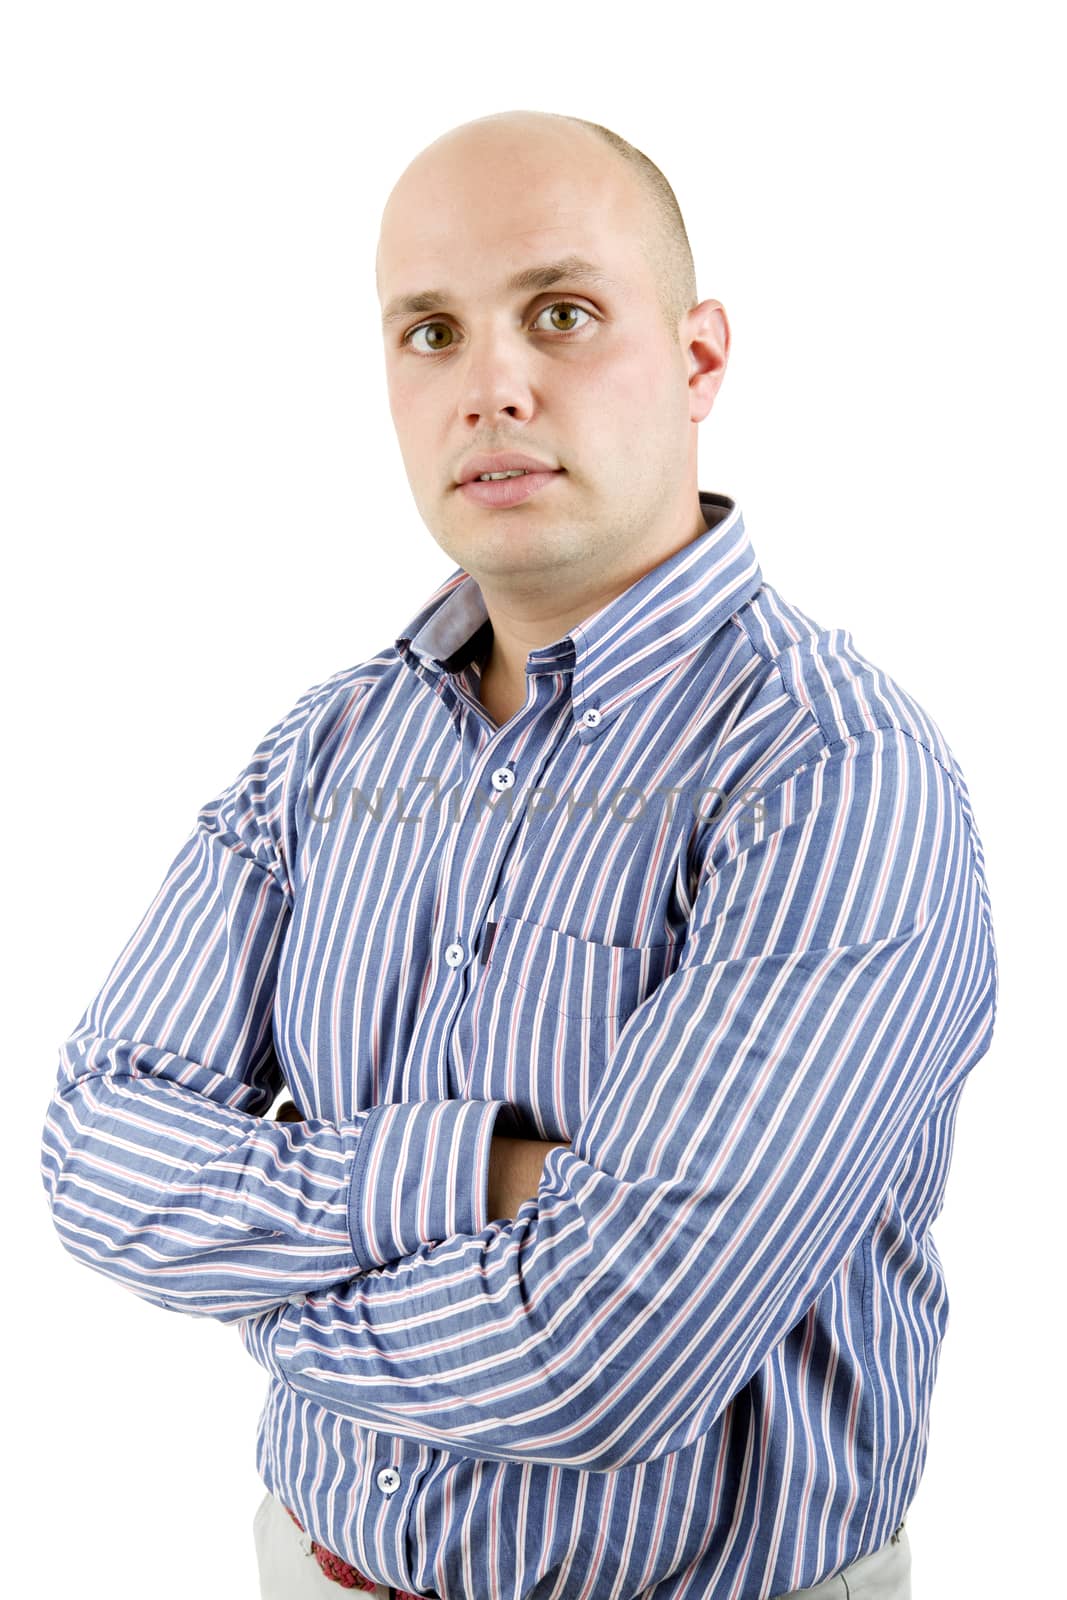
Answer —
(521, 623)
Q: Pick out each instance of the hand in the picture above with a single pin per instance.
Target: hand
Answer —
(515, 1167)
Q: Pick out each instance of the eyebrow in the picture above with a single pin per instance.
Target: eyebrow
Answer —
(545, 276)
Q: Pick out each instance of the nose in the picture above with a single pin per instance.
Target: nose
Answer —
(495, 379)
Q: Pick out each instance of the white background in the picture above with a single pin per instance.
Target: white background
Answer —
(206, 512)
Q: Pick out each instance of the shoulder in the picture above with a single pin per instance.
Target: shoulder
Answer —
(846, 737)
(329, 709)
(842, 693)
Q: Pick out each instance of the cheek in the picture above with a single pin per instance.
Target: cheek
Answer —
(407, 405)
(622, 397)
(399, 397)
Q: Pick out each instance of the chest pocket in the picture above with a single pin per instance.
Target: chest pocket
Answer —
(547, 1016)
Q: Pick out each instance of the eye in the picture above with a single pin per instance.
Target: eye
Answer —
(567, 306)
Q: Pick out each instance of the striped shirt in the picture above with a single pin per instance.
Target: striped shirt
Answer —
(711, 910)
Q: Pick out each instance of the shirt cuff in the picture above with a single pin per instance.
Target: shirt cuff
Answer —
(421, 1174)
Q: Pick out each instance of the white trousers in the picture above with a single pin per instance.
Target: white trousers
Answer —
(288, 1570)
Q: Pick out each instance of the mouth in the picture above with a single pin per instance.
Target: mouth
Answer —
(504, 492)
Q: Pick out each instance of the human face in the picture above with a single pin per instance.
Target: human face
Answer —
(580, 374)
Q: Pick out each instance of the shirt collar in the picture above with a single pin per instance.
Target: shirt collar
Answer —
(629, 643)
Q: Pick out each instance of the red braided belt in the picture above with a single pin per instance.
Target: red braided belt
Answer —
(342, 1572)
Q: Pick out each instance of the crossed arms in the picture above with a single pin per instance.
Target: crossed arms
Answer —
(398, 1267)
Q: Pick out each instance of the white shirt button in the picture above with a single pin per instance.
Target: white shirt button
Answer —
(454, 955)
(591, 717)
(503, 778)
(388, 1480)
(297, 1299)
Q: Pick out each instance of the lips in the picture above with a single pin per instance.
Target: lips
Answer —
(505, 492)
(502, 461)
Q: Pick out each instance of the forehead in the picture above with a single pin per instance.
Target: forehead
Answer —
(468, 236)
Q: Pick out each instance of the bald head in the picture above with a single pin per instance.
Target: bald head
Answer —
(464, 165)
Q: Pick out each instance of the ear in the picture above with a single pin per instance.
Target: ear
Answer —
(705, 334)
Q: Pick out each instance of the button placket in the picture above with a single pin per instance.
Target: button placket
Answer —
(544, 702)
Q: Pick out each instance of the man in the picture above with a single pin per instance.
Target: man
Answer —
(622, 938)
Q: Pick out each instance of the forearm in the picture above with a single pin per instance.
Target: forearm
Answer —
(190, 1201)
(199, 1205)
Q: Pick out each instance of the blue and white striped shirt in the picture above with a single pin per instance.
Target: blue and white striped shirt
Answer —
(712, 908)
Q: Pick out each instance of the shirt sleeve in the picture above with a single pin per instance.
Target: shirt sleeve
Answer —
(159, 1164)
(837, 981)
